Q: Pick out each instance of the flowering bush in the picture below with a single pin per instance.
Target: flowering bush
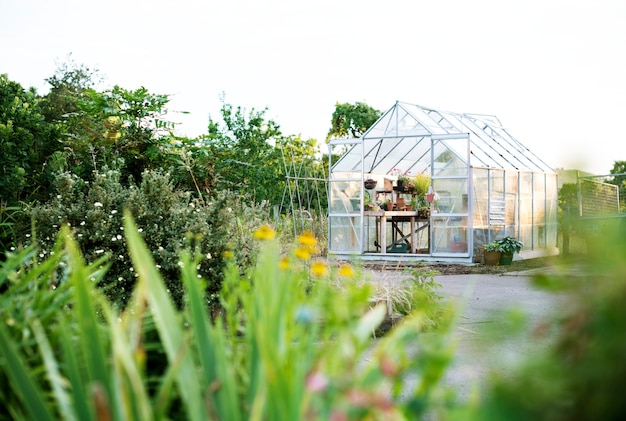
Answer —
(168, 219)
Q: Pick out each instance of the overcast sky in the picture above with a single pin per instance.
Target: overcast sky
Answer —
(552, 71)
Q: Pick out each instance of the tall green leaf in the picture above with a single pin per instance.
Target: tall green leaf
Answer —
(167, 320)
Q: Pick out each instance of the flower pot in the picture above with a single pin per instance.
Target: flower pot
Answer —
(492, 258)
(506, 259)
(401, 203)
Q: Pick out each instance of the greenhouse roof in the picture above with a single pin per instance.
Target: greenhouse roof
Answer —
(401, 140)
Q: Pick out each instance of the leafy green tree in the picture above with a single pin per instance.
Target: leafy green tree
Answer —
(352, 120)
(245, 158)
(26, 140)
(118, 128)
(619, 179)
(68, 84)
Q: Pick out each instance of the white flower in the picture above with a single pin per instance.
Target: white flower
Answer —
(58, 196)
(208, 255)
(82, 223)
(113, 211)
(113, 239)
(99, 251)
(140, 230)
(98, 204)
(119, 237)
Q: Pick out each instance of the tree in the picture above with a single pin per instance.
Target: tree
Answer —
(68, 84)
(350, 120)
(244, 154)
(119, 128)
(619, 179)
(27, 140)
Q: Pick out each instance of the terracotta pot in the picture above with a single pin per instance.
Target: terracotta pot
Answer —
(401, 203)
(492, 258)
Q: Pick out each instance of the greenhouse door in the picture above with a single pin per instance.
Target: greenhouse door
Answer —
(449, 219)
(345, 210)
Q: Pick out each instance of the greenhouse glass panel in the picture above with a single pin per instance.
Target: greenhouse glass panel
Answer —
(497, 201)
(447, 161)
(526, 209)
(479, 208)
(449, 234)
(451, 195)
(344, 234)
(551, 210)
(511, 188)
(344, 196)
(539, 211)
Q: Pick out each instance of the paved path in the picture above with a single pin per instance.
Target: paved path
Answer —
(485, 339)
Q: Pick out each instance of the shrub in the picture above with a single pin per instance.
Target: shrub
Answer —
(169, 220)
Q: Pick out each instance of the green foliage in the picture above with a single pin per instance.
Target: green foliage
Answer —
(170, 220)
(294, 342)
(119, 128)
(509, 245)
(352, 120)
(493, 246)
(244, 155)
(68, 84)
(26, 141)
(619, 179)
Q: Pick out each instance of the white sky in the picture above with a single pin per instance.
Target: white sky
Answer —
(552, 71)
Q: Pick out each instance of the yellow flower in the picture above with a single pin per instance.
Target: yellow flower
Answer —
(265, 233)
(346, 271)
(303, 253)
(307, 239)
(284, 263)
(228, 254)
(319, 268)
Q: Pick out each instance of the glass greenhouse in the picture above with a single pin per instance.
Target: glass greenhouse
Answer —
(435, 185)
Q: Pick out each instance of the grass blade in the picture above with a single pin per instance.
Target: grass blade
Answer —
(20, 377)
(167, 320)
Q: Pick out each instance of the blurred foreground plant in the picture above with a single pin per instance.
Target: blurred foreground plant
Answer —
(579, 377)
(293, 341)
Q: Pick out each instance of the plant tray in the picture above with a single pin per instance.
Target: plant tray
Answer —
(398, 248)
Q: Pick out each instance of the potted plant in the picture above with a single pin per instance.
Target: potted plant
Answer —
(492, 254)
(508, 246)
(421, 183)
(370, 183)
